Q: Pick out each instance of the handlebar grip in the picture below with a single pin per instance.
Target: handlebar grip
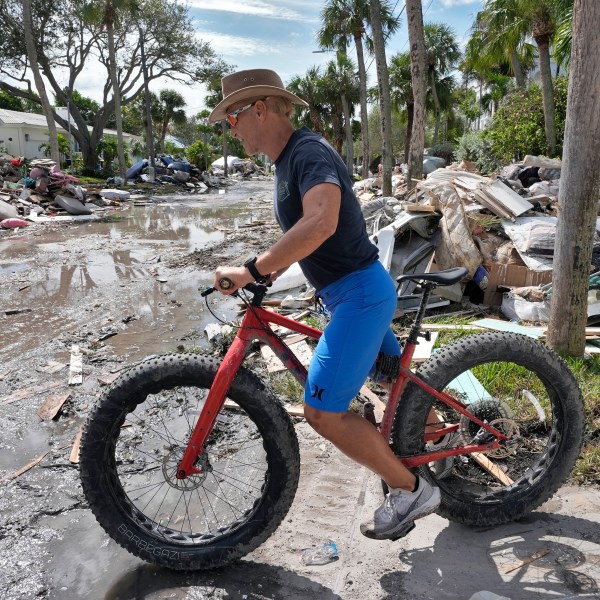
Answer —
(225, 283)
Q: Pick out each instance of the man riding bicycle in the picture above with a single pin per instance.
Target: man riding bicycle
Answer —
(324, 231)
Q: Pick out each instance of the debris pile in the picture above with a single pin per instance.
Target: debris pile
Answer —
(38, 191)
(501, 229)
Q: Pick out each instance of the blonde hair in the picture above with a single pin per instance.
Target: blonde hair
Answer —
(280, 105)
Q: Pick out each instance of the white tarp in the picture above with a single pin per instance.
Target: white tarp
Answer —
(231, 161)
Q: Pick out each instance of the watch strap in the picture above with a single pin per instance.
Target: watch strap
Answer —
(251, 266)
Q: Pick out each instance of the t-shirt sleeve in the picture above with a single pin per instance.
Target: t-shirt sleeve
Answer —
(313, 165)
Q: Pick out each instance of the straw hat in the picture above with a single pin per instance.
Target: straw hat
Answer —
(252, 83)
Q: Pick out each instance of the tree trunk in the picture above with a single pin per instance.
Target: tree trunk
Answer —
(349, 140)
(39, 82)
(436, 104)
(117, 97)
(410, 114)
(515, 65)
(579, 186)
(364, 113)
(225, 150)
(418, 67)
(148, 108)
(547, 94)
(383, 82)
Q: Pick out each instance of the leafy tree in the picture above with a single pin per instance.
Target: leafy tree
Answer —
(64, 147)
(10, 102)
(199, 153)
(171, 47)
(87, 107)
(517, 128)
(170, 111)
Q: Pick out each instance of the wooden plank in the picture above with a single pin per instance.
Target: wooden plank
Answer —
(74, 456)
(412, 207)
(50, 409)
(491, 468)
(301, 349)
(19, 395)
(51, 366)
(109, 378)
(24, 469)
(376, 401)
(424, 348)
(76, 366)
(498, 325)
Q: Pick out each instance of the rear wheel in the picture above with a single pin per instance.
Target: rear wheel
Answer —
(522, 388)
(136, 436)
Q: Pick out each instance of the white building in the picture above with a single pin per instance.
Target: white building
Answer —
(22, 133)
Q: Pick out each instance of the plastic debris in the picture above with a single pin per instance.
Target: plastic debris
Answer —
(320, 555)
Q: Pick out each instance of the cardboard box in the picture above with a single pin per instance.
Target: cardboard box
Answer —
(511, 276)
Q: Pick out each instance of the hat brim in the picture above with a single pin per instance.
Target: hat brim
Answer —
(220, 111)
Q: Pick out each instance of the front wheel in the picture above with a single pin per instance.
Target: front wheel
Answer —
(135, 438)
(517, 385)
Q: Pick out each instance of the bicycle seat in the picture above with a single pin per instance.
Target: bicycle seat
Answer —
(447, 277)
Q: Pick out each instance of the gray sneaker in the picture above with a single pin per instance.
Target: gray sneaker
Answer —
(396, 516)
(443, 468)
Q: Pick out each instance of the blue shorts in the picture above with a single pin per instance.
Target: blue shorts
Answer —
(362, 305)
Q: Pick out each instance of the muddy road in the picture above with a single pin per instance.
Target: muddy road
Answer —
(125, 287)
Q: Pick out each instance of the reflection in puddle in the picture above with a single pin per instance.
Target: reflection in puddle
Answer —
(16, 268)
(109, 270)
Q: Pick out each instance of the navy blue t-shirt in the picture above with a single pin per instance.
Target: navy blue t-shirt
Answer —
(306, 161)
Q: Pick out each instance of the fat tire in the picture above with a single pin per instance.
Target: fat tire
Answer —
(102, 486)
(539, 485)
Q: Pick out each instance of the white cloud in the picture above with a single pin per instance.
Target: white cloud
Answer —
(257, 8)
(231, 46)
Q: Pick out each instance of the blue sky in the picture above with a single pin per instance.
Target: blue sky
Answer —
(281, 34)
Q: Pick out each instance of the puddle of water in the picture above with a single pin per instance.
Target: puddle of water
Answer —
(123, 251)
(14, 268)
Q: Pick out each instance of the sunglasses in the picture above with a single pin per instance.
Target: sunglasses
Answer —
(232, 117)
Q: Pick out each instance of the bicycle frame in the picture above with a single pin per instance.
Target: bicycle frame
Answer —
(255, 327)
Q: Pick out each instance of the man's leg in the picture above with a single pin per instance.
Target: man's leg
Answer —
(358, 439)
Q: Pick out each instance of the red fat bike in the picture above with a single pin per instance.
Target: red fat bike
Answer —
(190, 462)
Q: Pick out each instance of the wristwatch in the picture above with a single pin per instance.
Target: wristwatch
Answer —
(250, 264)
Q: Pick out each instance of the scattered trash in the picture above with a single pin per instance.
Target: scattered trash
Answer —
(320, 555)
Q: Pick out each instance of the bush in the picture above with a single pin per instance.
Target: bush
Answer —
(517, 128)
(200, 154)
(475, 147)
(443, 150)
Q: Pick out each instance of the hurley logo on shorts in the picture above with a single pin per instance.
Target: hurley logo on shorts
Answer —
(318, 393)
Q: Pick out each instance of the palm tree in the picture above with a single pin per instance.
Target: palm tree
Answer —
(39, 82)
(348, 19)
(442, 55)
(580, 180)
(311, 89)
(401, 93)
(418, 62)
(341, 90)
(171, 111)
